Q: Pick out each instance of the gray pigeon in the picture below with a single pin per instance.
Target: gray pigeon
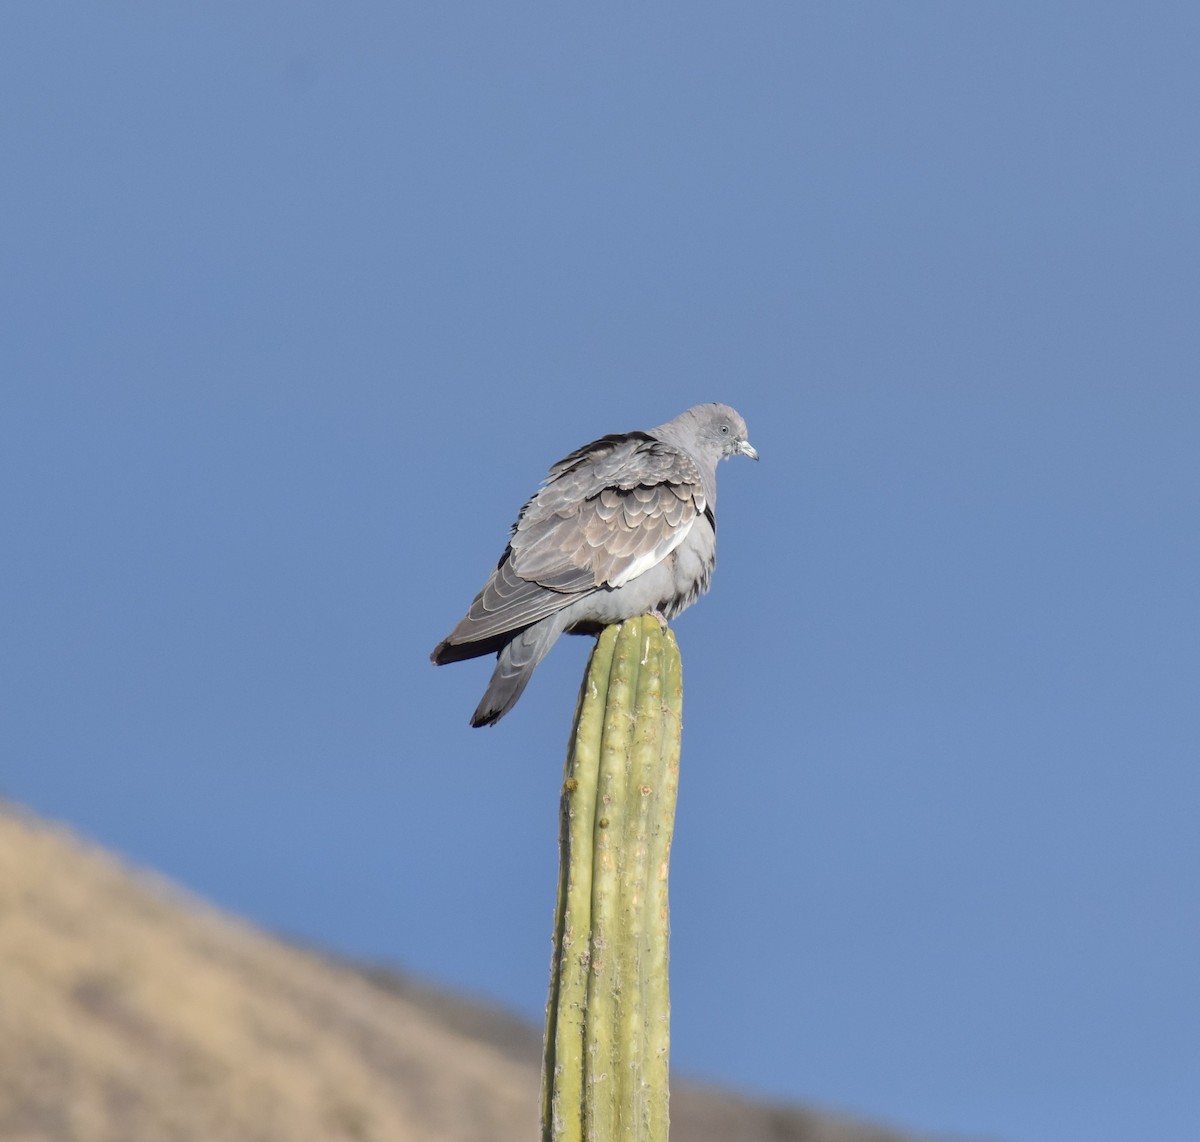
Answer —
(623, 526)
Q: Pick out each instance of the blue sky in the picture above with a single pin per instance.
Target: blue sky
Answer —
(300, 301)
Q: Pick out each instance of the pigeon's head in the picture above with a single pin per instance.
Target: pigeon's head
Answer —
(720, 431)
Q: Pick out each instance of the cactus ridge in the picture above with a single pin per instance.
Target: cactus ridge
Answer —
(607, 1018)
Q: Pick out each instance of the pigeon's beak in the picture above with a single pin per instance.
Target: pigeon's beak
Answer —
(747, 449)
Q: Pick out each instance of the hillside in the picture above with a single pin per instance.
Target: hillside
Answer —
(131, 1012)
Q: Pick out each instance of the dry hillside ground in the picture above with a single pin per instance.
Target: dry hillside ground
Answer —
(130, 1012)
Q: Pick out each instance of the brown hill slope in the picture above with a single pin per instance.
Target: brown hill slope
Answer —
(130, 1012)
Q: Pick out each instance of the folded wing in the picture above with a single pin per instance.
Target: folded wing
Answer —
(606, 513)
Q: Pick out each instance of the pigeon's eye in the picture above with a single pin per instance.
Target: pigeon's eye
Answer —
(724, 430)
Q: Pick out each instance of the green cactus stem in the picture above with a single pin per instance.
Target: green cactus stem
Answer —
(607, 1043)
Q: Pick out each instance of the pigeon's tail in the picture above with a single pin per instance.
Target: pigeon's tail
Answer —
(514, 667)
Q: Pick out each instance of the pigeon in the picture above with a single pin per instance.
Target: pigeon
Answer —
(623, 526)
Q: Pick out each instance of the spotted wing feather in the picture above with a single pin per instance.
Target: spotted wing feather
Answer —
(605, 514)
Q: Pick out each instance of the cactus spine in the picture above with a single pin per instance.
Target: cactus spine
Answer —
(607, 1042)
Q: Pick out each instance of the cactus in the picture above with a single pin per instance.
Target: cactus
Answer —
(604, 1075)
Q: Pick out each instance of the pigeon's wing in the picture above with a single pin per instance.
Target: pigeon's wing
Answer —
(606, 513)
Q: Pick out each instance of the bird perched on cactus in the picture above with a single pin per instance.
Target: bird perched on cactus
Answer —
(621, 527)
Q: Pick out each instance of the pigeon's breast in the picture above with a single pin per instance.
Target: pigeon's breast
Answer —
(690, 566)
